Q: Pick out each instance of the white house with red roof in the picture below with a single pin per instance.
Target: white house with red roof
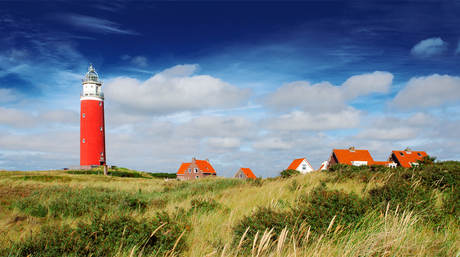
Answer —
(301, 165)
(244, 173)
(195, 169)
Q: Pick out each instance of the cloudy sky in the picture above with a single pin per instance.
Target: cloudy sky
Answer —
(243, 84)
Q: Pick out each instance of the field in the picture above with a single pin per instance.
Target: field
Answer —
(347, 211)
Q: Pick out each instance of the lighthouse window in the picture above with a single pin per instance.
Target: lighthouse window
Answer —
(101, 128)
(83, 141)
(100, 103)
(83, 115)
(102, 153)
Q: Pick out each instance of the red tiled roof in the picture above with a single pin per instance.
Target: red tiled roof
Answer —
(182, 168)
(383, 163)
(295, 164)
(406, 157)
(248, 173)
(205, 166)
(346, 156)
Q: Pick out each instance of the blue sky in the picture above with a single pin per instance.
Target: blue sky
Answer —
(243, 84)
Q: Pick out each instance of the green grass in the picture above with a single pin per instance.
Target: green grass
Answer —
(346, 211)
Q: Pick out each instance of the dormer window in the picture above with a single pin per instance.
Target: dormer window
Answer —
(419, 154)
(401, 153)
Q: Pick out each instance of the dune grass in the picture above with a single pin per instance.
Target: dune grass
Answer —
(348, 212)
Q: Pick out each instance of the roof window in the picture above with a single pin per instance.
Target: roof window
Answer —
(401, 153)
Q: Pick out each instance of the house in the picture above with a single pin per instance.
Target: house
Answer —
(406, 158)
(195, 169)
(350, 156)
(244, 173)
(301, 165)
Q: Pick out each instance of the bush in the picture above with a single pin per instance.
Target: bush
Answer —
(72, 202)
(106, 236)
(289, 173)
(261, 220)
(316, 210)
(204, 205)
(321, 205)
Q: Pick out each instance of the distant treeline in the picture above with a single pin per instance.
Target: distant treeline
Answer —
(125, 174)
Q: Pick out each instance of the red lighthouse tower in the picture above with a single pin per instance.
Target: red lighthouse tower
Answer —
(92, 129)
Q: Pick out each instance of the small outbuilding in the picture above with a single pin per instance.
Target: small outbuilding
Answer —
(244, 173)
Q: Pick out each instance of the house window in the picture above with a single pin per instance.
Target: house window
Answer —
(196, 170)
(189, 170)
(186, 178)
(83, 115)
(241, 175)
(304, 166)
(197, 176)
(83, 141)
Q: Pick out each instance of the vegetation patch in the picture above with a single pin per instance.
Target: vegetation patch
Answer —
(108, 236)
(63, 201)
(43, 178)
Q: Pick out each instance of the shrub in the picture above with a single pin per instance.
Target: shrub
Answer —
(262, 219)
(289, 173)
(204, 205)
(321, 205)
(73, 202)
(105, 236)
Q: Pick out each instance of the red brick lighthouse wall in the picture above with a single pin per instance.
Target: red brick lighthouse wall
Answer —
(92, 129)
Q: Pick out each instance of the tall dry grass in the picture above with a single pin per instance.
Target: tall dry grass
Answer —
(393, 233)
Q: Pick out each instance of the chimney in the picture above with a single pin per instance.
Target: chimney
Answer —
(407, 149)
(352, 149)
(207, 160)
(193, 159)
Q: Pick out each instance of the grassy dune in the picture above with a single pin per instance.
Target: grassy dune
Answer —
(348, 211)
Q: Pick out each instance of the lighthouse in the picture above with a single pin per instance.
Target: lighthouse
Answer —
(92, 128)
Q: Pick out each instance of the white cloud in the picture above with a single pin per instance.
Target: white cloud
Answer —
(94, 24)
(172, 91)
(431, 91)
(8, 95)
(139, 61)
(223, 144)
(180, 71)
(324, 97)
(216, 126)
(429, 47)
(360, 85)
(21, 119)
(303, 121)
(388, 134)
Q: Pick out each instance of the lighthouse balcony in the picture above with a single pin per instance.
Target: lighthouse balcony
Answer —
(97, 94)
